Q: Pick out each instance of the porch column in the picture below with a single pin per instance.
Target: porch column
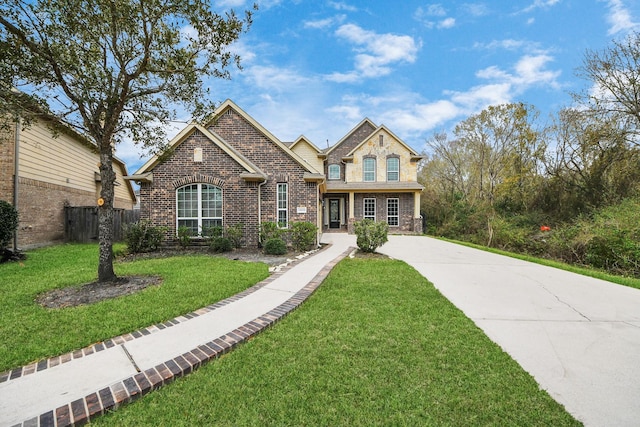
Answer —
(351, 204)
(416, 204)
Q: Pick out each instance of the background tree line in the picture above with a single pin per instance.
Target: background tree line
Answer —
(500, 176)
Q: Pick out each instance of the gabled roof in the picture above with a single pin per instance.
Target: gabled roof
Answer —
(143, 174)
(230, 104)
(303, 139)
(351, 132)
(414, 154)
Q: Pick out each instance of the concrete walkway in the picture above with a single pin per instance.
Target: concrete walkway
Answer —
(579, 337)
(77, 386)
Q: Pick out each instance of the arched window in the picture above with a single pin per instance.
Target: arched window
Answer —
(393, 169)
(334, 171)
(199, 208)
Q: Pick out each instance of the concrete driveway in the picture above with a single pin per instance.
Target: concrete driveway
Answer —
(578, 337)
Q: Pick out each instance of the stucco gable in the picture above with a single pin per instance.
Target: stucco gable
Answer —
(382, 130)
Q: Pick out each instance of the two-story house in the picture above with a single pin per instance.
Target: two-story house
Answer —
(371, 173)
(42, 172)
(232, 170)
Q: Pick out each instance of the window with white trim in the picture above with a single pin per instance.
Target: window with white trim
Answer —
(393, 212)
(369, 169)
(199, 207)
(334, 171)
(369, 209)
(393, 169)
(283, 203)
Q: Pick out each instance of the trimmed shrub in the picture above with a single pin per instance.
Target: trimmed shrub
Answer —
(141, 236)
(371, 234)
(221, 244)
(212, 232)
(275, 246)
(184, 236)
(270, 230)
(303, 235)
(8, 223)
(235, 233)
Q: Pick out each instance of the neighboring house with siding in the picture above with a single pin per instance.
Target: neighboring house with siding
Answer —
(232, 170)
(54, 171)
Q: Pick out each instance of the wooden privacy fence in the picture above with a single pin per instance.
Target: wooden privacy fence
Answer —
(81, 223)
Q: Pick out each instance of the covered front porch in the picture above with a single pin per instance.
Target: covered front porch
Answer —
(398, 205)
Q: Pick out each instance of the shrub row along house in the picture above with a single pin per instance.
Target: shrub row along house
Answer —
(42, 172)
(234, 171)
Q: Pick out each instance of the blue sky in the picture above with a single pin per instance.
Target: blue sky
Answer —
(317, 68)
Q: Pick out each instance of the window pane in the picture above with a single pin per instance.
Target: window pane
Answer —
(369, 167)
(393, 169)
(393, 206)
(191, 224)
(188, 202)
(282, 205)
(211, 202)
(370, 209)
(334, 171)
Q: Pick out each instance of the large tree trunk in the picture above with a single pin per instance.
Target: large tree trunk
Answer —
(105, 217)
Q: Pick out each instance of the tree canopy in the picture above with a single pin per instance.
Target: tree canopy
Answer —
(113, 69)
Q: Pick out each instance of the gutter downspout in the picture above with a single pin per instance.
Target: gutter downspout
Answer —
(16, 157)
(260, 207)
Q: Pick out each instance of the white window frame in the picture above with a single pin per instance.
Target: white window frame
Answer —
(369, 215)
(391, 217)
(396, 162)
(365, 171)
(334, 171)
(282, 204)
(200, 218)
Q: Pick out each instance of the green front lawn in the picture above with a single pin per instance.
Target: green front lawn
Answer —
(29, 332)
(377, 344)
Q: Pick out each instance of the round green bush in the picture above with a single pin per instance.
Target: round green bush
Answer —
(8, 222)
(275, 246)
(221, 244)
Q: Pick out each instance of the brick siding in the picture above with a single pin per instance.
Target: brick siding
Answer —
(240, 198)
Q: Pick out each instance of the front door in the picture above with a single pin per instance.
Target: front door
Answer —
(334, 213)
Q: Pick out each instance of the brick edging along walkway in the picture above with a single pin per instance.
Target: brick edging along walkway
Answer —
(109, 398)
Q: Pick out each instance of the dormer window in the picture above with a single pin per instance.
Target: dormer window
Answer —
(334, 171)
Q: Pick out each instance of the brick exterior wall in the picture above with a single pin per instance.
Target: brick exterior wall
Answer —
(240, 198)
(7, 147)
(40, 204)
(351, 142)
(406, 221)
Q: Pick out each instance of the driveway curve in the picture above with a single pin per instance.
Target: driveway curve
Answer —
(579, 337)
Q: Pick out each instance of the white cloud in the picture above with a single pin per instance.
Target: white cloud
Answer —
(447, 23)
(540, 4)
(529, 71)
(230, 3)
(508, 44)
(342, 6)
(324, 23)
(274, 78)
(348, 112)
(619, 18)
(427, 14)
(376, 53)
(475, 9)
